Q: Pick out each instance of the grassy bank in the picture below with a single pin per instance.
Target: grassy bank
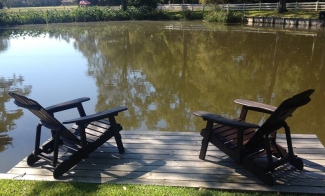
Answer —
(17, 187)
(290, 14)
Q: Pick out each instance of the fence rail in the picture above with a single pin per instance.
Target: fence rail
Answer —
(317, 6)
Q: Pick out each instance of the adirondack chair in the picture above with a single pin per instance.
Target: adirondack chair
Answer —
(245, 142)
(87, 134)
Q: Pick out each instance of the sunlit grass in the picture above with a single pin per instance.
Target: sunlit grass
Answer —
(18, 187)
(290, 14)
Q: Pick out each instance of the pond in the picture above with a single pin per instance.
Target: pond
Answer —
(162, 71)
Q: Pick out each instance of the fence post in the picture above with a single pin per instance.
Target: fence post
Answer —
(244, 7)
(316, 5)
(228, 7)
(260, 6)
(296, 5)
(192, 6)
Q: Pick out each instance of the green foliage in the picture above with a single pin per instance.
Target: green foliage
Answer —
(94, 13)
(191, 15)
(224, 16)
(81, 14)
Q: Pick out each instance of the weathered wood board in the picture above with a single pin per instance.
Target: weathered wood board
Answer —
(171, 159)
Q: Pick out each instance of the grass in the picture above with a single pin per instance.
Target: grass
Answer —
(290, 14)
(193, 15)
(18, 187)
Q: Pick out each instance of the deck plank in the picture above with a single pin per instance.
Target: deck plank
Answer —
(172, 160)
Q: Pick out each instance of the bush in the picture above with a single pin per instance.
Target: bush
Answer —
(94, 13)
(224, 16)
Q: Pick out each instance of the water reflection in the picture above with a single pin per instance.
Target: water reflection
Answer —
(8, 117)
(163, 74)
(3, 45)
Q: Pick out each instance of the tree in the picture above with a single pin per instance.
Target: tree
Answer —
(7, 118)
(124, 4)
(1, 4)
(282, 6)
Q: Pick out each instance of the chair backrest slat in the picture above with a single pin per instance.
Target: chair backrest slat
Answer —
(39, 111)
(50, 121)
(276, 119)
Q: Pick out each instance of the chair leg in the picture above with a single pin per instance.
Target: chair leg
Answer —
(289, 141)
(205, 140)
(267, 147)
(83, 138)
(118, 140)
(117, 135)
(37, 139)
(68, 164)
(56, 148)
(31, 159)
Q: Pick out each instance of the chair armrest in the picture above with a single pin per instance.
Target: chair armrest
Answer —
(97, 116)
(224, 121)
(256, 106)
(66, 105)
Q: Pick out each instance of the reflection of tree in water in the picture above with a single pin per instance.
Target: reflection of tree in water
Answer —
(3, 44)
(7, 118)
(129, 63)
(163, 76)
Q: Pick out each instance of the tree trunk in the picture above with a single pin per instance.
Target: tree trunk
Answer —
(282, 6)
(124, 4)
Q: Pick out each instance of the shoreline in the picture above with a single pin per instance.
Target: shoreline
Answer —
(285, 21)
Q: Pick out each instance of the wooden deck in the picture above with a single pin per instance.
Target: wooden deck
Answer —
(171, 159)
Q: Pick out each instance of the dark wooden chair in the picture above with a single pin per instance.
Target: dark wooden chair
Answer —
(87, 134)
(245, 142)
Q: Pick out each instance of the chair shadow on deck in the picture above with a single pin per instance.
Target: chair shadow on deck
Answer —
(313, 174)
(106, 164)
(112, 167)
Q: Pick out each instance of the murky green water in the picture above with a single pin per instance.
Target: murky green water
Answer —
(162, 71)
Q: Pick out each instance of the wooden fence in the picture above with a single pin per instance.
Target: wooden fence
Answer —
(317, 6)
